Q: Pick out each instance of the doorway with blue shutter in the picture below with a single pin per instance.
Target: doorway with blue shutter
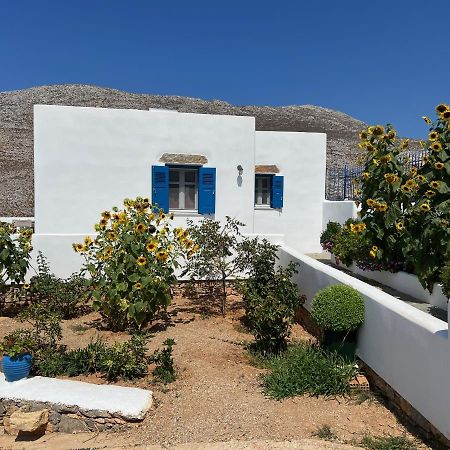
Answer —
(184, 188)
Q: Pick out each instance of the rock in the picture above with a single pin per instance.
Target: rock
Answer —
(95, 413)
(8, 428)
(54, 417)
(71, 425)
(29, 421)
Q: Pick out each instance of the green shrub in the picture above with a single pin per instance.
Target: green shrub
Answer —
(445, 280)
(388, 443)
(64, 297)
(307, 369)
(16, 343)
(123, 360)
(131, 262)
(338, 308)
(330, 235)
(165, 370)
(220, 253)
(325, 432)
(270, 299)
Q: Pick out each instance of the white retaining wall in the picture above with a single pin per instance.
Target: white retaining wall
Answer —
(408, 348)
(338, 211)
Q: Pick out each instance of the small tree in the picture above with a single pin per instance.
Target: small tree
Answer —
(220, 253)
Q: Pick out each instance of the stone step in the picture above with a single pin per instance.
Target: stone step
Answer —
(71, 396)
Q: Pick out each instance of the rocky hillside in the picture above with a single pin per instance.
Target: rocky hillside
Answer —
(16, 128)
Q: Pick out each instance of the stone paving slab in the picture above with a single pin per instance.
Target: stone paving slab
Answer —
(127, 402)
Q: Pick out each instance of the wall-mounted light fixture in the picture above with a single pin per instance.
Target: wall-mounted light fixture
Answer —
(240, 169)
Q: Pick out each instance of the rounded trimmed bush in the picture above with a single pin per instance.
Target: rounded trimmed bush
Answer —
(338, 308)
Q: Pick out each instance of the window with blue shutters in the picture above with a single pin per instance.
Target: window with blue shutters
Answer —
(185, 188)
(268, 191)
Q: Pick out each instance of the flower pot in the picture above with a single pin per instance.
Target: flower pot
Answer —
(18, 367)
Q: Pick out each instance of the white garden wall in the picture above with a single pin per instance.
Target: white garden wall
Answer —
(88, 159)
(338, 211)
(406, 347)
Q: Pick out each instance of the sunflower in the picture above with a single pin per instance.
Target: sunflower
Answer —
(427, 120)
(378, 130)
(444, 223)
(413, 171)
(79, 248)
(87, 241)
(373, 254)
(371, 129)
(112, 235)
(439, 165)
(404, 144)
(365, 175)
(430, 193)
(371, 202)
(123, 217)
(422, 143)
(385, 159)
(421, 179)
(195, 248)
(442, 107)
(363, 135)
(26, 286)
(426, 159)
(139, 228)
(382, 207)
(400, 226)
(162, 256)
(436, 146)
(151, 216)
(151, 247)
(108, 252)
(391, 178)
(405, 189)
(445, 115)
(374, 248)
(411, 184)
(425, 207)
(353, 228)
(138, 286)
(141, 261)
(370, 148)
(102, 224)
(391, 135)
(433, 136)
(106, 215)
(435, 184)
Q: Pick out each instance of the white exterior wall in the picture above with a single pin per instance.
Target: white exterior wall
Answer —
(338, 211)
(301, 158)
(408, 348)
(89, 159)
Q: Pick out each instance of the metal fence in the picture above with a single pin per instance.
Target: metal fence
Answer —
(340, 181)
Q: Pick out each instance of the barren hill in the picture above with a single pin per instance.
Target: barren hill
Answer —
(16, 128)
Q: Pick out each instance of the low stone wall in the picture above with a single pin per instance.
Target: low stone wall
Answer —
(60, 418)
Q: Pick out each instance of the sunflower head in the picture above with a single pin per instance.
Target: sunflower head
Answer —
(162, 256)
(404, 144)
(103, 222)
(421, 179)
(427, 120)
(400, 226)
(139, 228)
(79, 248)
(87, 241)
(439, 165)
(371, 202)
(151, 247)
(373, 253)
(141, 261)
(442, 107)
(378, 130)
(26, 286)
(405, 189)
(363, 135)
(365, 175)
(433, 136)
(425, 207)
(435, 184)
(430, 193)
(382, 207)
(106, 215)
(138, 286)
(436, 146)
(385, 159)
(445, 115)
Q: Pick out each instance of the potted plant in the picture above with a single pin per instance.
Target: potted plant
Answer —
(17, 359)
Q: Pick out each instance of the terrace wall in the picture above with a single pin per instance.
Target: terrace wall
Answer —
(407, 348)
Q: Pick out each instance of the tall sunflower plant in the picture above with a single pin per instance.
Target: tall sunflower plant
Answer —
(427, 236)
(131, 262)
(382, 200)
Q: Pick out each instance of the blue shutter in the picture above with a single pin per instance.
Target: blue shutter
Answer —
(206, 190)
(276, 200)
(160, 187)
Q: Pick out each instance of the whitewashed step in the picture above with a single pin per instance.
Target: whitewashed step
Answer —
(126, 402)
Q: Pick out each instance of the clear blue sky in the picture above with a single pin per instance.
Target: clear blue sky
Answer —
(384, 61)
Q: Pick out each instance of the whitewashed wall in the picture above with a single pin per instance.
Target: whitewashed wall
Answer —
(338, 211)
(408, 348)
(301, 158)
(89, 159)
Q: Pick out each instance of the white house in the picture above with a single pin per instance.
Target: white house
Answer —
(87, 160)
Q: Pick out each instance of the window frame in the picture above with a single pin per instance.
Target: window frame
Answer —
(182, 169)
(260, 190)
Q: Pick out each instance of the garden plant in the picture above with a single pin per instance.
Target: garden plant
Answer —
(131, 262)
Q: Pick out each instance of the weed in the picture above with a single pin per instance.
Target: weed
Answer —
(164, 371)
(388, 443)
(325, 432)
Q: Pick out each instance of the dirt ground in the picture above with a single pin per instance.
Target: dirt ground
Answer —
(217, 396)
